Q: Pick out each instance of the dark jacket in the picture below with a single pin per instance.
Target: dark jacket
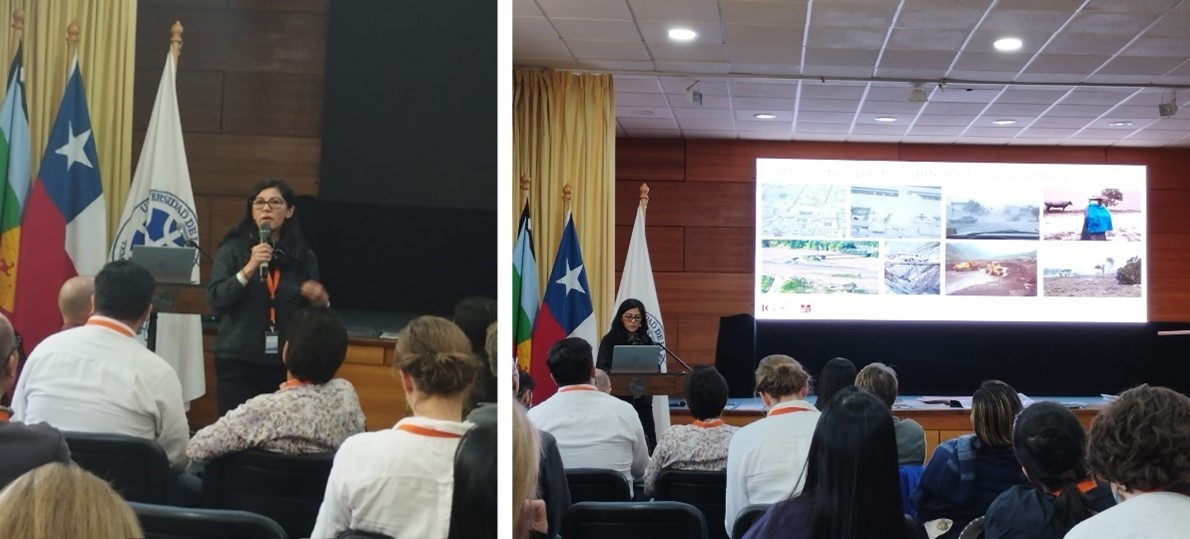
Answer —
(1023, 512)
(790, 519)
(962, 479)
(25, 447)
(245, 308)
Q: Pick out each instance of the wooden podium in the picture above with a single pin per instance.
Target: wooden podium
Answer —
(636, 384)
(176, 299)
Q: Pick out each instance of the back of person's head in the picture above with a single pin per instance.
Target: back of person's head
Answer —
(60, 500)
(851, 470)
(11, 355)
(473, 502)
(525, 385)
(473, 315)
(706, 392)
(602, 381)
(1050, 445)
(491, 343)
(880, 380)
(74, 300)
(837, 374)
(779, 375)
(993, 407)
(316, 344)
(1140, 441)
(570, 362)
(526, 453)
(436, 354)
(123, 291)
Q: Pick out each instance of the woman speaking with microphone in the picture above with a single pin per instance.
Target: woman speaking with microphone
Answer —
(263, 273)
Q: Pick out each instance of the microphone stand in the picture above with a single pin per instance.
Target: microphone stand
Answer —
(194, 244)
(684, 364)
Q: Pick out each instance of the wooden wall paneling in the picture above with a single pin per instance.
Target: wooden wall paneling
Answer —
(704, 294)
(1167, 211)
(735, 161)
(690, 203)
(175, 5)
(200, 97)
(240, 40)
(650, 160)
(721, 249)
(202, 207)
(232, 164)
(273, 104)
(311, 6)
(666, 247)
(698, 336)
(970, 153)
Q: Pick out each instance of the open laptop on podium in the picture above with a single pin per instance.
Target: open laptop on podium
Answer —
(635, 358)
(173, 265)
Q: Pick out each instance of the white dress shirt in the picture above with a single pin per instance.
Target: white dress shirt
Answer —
(97, 378)
(766, 459)
(594, 430)
(397, 481)
(1152, 515)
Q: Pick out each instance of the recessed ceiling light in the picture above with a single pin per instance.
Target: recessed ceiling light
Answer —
(885, 119)
(682, 34)
(1007, 44)
(764, 116)
(1003, 122)
(1121, 124)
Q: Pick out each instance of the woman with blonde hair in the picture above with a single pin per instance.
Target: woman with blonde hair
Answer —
(765, 459)
(528, 512)
(63, 500)
(399, 481)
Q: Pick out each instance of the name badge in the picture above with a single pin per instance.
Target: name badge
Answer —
(271, 343)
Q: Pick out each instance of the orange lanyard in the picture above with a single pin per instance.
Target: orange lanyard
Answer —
(783, 411)
(708, 424)
(1083, 487)
(582, 387)
(426, 431)
(5, 415)
(271, 280)
(118, 328)
(290, 384)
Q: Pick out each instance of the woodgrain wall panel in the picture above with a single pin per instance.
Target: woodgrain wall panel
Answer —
(721, 249)
(735, 161)
(690, 203)
(279, 104)
(698, 335)
(651, 160)
(666, 247)
(231, 164)
(704, 294)
(311, 6)
(200, 98)
(238, 40)
(969, 153)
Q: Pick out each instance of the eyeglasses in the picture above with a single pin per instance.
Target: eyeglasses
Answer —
(274, 203)
(632, 317)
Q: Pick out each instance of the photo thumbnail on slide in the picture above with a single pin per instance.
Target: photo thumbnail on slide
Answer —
(912, 267)
(897, 211)
(819, 267)
(815, 210)
(1092, 270)
(1069, 210)
(976, 212)
(991, 268)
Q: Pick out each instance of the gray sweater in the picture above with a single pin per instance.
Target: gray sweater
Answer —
(911, 441)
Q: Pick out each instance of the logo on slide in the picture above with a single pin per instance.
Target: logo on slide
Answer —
(172, 223)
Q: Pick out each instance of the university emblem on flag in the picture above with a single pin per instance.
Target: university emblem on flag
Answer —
(171, 222)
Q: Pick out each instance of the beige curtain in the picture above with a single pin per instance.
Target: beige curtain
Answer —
(106, 49)
(564, 132)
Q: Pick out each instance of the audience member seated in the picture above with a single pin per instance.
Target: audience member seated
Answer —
(473, 503)
(602, 381)
(765, 459)
(485, 412)
(63, 500)
(852, 490)
(312, 412)
(24, 446)
(881, 380)
(593, 429)
(1050, 444)
(703, 444)
(967, 473)
(526, 386)
(1139, 445)
(98, 378)
(837, 374)
(528, 513)
(399, 481)
(74, 300)
(474, 315)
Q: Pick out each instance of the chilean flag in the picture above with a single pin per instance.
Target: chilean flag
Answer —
(565, 311)
(65, 221)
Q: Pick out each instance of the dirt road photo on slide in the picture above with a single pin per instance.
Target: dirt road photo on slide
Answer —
(819, 267)
(991, 268)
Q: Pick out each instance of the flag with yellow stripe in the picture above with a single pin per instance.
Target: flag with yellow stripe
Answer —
(15, 177)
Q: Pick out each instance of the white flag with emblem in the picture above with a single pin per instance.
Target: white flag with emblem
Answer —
(160, 212)
(637, 282)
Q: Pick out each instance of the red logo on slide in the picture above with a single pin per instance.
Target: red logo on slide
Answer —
(805, 307)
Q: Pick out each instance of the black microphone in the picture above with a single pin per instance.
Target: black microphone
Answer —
(265, 232)
(671, 352)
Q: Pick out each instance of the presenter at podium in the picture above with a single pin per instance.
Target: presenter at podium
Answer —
(629, 328)
(264, 272)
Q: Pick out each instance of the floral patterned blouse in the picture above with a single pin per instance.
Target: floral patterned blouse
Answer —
(702, 446)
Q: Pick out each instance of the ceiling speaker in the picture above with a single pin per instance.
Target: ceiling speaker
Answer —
(1167, 110)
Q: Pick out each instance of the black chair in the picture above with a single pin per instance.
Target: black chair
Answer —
(633, 520)
(137, 468)
(747, 518)
(285, 488)
(973, 530)
(597, 485)
(168, 522)
(703, 489)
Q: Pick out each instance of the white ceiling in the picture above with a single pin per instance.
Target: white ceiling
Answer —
(828, 68)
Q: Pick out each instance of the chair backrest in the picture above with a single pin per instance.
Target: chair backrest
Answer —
(285, 488)
(705, 490)
(597, 485)
(747, 518)
(168, 522)
(910, 476)
(137, 468)
(974, 529)
(633, 520)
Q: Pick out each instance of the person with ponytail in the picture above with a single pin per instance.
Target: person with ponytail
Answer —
(765, 459)
(1050, 444)
(400, 481)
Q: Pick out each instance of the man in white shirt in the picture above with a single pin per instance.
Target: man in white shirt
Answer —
(593, 429)
(98, 378)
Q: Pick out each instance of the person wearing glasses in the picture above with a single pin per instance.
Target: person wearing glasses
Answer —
(257, 284)
(630, 327)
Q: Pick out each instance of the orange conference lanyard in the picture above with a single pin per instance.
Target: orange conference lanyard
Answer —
(290, 384)
(708, 424)
(1083, 487)
(783, 411)
(118, 328)
(271, 280)
(576, 388)
(425, 431)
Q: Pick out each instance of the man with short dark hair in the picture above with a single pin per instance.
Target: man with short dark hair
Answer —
(99, 378)
(24, 446)
(594, 429)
